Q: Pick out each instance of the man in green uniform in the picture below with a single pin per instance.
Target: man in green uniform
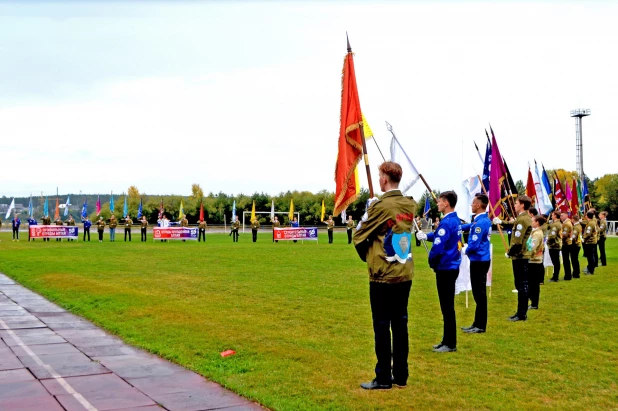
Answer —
(276, 224)
(330, 225)
(520, 255)
(567, 243)
(100, 228)
(127, 227)
(235, 227)
(58, 221)
(255, 226)
(70, 222)
(554, 243)
(184, 222)
(113, 223)
(383, 240)
(349, 227)
(201, 230)
(602, 236)
(589, 238)
(46, 221)
(576, 245)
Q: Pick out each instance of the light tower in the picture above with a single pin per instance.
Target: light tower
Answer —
(579, 153)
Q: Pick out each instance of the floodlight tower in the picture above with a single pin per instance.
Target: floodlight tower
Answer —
(579, 153)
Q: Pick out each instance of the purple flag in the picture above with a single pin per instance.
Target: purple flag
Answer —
(496, 176)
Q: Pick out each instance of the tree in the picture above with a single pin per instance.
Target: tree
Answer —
(196, 191)
(521, 188)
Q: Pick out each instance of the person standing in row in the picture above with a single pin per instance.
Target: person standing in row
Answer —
(276, 224)
(602, 236)
(15, 223)
(71, 223)
(576, 245)
(589, 238)
(128, 223)
(349, 227)
(444, 259)
(536, 270)
(31, 222)
(554, 243)
(294, 223)
(519, 255)
(235, 228)
(201, 231)
(113, 223)
(255, 226)
(58, 222)
(143, 228)
(567, 244)
(100, 228)
(184, 222)
(388, 221)
(330, 225)
(46, 221)
(87, 225)
(479, 253)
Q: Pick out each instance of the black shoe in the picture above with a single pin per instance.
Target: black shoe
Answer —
(400, 383)
(475, 330)
(553, 281)
(532, 307)
(567, 279)
(445, 348)
(517, 318)
(467, 328)
(375, 385)
(435, 347)
(576, 276)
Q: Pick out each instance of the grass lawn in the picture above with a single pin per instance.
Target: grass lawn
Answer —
(298, 317)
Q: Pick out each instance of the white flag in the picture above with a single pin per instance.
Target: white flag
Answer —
(543, 202)
(272, 211)
(66, 206)
(410, 173)
(11, 207)
(343, 217)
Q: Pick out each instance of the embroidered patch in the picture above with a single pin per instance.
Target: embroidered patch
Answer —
(553, 233)
(475, 237)
(441, 232)
(517, 234)
(519, 226)
(477, 230)
(438, 241)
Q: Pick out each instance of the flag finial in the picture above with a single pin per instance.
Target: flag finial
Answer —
(348, 40)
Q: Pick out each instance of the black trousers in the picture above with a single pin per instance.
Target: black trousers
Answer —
(15, 233)
(127, 231)
(235, 236)
(566, 260)
(520, 274)
(536, 273)
(601, 244)
(86, 231)
(389, 312)
(590, 251)
(554, 254)
(254, 234)
(349, 236)
(330, 236)
(478, 280)
(445, 283)
(201, 234)
(143, 236)
(100, 235)
(574, 254)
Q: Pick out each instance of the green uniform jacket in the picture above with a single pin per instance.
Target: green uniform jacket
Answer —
(553, 236)
(144, 223)
(576, 238)
(236, 225)
(590, 232)
(351, 224)
(330, 224)
(521, 232)
(58, 222)
(202, 225)
(128, 223)
(184, 222)
(255, 225)
(46, 221)
(100, 225)
(567, 232)
(113, 223)
(536, 246)
(602, 228)
(276, 224)
(391, 215)
(70, 222)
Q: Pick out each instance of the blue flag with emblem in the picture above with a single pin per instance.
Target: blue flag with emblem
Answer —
(46, 207)
(234, 210)
(427, 207)
(139, 209)
(85, 209)
(66, 206)
(486, 166)
(30, 210)
(125, 210)
(111, 203)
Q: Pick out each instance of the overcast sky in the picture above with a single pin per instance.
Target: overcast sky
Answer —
(244, 96)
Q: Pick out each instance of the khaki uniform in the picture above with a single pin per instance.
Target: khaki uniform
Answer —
(113, 223)
(520, 256)
(392, 215)
(601, 241)
(521, 232)
(100, 225)
(255, 225)
(70, 222)
(589, 235)
(536, 246)
(350, 224)
(46, 221)
(576, 237)
(128, 223)
(330, 225)
(202, 225)
(184, 222)
(58, 222)
(201, 231)
(349, 227)
(567, 233)
(276, 224)
(554, 240)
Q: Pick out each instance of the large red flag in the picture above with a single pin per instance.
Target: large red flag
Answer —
(560, 198)
(575, 200)
(496, 176)
(350, 139)
(202, 211)
(530, 190)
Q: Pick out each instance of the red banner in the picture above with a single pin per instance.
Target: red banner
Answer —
(296, 233)
(54, 231)
(174, 233)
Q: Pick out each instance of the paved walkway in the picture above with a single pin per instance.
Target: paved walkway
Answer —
(53, 360)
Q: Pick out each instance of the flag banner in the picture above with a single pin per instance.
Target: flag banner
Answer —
(585, 195)
(509, 178)
(253, 212)
(548, 186)
(323, 211)
(463, 279)
(125, 210)
(580, 199)
(291, 214)
(295, 233)
(497, 174)
(202, 211)
(111, 203)
(366, 129)
(561, 203)
(66, 206)
(11, 207)
(30, 209)
(174, 233)
(343, 216)
(57, 212)
(530, 190)
(85, 209)
(543, 204)
(350, 144)
(410, 173)
(427, 208)
(575, 200)
(487, 166)
(98, 206)
(54, 231)
(139, 209)
(234, 211)
(272, 210)
(161, 210)
(46, 207)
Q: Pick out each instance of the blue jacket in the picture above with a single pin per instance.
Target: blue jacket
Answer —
(478, 240)
(87, 223)
(16, 222)
(445, 254)
(32, 221)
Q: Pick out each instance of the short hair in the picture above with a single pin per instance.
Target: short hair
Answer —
(525, 201)
(451, 197)
(604, 213)
(576, 217)
(533, 211)
(557, 213)
(564, 212)
(590, 214)
(392, 170)
(482, 198)
(539, 219)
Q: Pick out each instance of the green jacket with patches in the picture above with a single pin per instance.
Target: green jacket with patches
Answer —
(521, 232)
(553, 236)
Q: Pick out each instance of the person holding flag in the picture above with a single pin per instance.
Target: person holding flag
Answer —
(554, 243)
(128, 222)
(87, 225)
(113, 223)
(235, 227)
(202, 225)
(31, 222)
(255, 226)
(58, 221)
(276, 224)
(46, 221)
(350, 226)
(144, 226)
(576, 245)
(15, 223)
(71, 223)
(589, 237)
(330, 225)
(184, 222)
(567, 244)
(100, 228)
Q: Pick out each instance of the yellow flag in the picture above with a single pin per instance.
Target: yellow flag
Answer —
(181, 211)
(357, 181)
(291, 215)
(323, 211)
(253, 212)
(366, 129)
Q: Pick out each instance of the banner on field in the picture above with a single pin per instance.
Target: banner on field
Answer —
(296, 233)
(174, 233)
(54, 231)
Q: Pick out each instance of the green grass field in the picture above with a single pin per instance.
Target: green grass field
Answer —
(298, 317)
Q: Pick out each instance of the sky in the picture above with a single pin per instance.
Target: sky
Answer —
(244, 97)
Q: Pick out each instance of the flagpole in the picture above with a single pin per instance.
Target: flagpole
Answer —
(491, 208)
(501, 184)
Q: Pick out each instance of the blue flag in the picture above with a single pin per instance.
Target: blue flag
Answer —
(111, 204)
(66, 206)
(486, 166)
(233, 210)
(585, 195)
(85, 209)
(46, 207)
(427, 207)
(139, 209)
(547, 184)
(30, 211)
(125, 210)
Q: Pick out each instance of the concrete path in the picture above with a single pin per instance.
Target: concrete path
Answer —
(53, 360)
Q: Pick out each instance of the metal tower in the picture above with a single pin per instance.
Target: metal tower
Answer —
(579, 153)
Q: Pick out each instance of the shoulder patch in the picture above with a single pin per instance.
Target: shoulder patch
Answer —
(475, 237)
(437, 241)
(517, 234)
(441, 232)
(477, 230)
(519, 226)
